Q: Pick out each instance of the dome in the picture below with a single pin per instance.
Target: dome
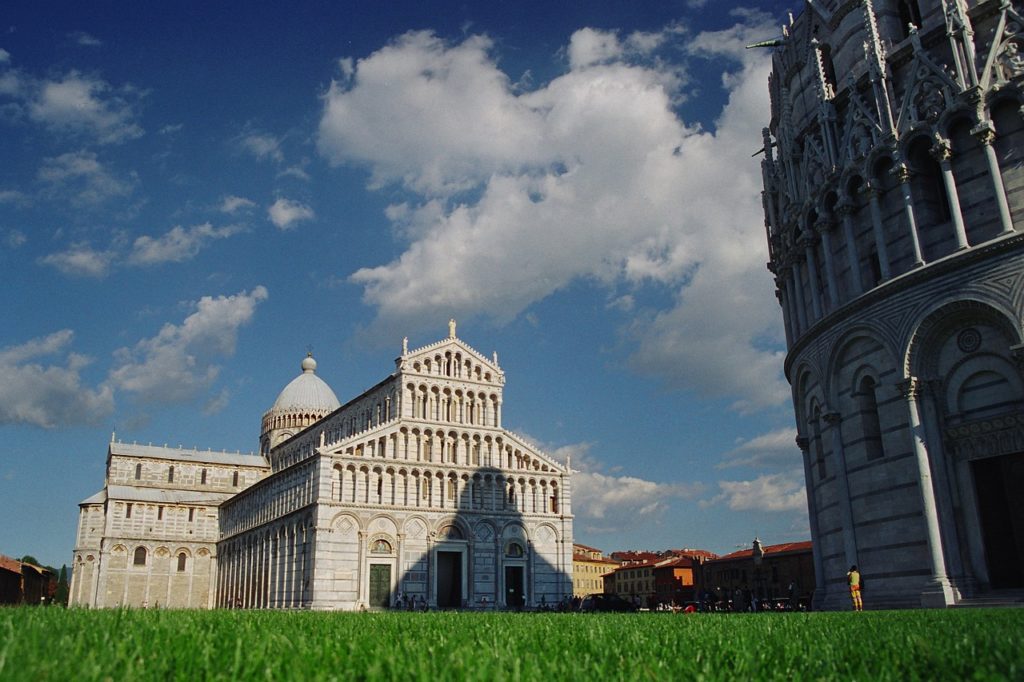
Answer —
(307, 393)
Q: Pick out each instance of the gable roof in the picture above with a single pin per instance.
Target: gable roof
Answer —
(784, 548)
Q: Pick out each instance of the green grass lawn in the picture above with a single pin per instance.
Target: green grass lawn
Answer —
(62, 644)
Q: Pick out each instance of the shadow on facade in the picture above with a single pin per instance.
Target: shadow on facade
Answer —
(501, 546)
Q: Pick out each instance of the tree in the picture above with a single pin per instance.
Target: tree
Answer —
(63, 590)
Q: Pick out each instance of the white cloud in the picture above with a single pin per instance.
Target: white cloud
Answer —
(262, 146)
(231, 203)
(178, 244)
(85, 39)
(590, 46)
(284, 213)
(15, 239)
(608, 502)
(767, 493)
(217, 403)
(81, 176)
(82, 104)
(594, 177)
(12, 196)
(48, 395)
(773, 449)
(179, 362)
(81, 260)
(5, 56)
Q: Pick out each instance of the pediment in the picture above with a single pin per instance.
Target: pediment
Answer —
(453, 358)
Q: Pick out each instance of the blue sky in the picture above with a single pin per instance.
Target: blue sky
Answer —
(193, 195)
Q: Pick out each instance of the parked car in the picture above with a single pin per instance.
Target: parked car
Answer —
(594, 603)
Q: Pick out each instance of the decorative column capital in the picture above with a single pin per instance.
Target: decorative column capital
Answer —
(901, 173)
(911, 388)
(845, 208)
(1017, 354)
(832, 418)
(941, 149)
(808, 240)
(823, 226)
(985, 132)
(870, 192)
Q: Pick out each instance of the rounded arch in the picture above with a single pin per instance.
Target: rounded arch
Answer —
(864, 333)
(338, 522)
(941, 319)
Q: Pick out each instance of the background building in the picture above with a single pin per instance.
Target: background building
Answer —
(410, 492)
(894, 198)
(773, 574)
(588, 567)
(25, 583)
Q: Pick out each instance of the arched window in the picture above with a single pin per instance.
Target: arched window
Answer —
(140, 556)
(910, 13)
(867, 407)
(202, 478)
(234, 479)
(138, 472)
(819, 448)
(170, 475)
(182, 559)
(931, 203)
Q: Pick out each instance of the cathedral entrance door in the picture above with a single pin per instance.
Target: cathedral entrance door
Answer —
(515, 595)
(449, 580)
(998, 482)
(380, 585)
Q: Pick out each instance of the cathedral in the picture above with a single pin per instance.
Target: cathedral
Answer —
(410, 495)
(894, 207)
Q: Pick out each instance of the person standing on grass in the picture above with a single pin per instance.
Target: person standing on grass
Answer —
(853, 578)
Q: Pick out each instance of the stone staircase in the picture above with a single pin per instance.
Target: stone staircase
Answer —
(993, 599)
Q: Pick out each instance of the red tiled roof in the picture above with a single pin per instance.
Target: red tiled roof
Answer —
(584, 548)
(9, 564)
(804, 546)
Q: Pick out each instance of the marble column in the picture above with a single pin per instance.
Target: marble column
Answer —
(823, 228)
(942, 153)
(986, 135)
(879, 232)
(845, 211)
(903, 177)
(938, 592)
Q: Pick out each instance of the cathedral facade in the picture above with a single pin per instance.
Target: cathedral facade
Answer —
(409, 495)
(894, 204)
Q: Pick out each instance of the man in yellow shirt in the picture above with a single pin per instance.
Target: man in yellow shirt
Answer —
(853, 578)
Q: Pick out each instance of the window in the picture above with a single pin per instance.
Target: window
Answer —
(182, 558)
(138, 472)
(128, 510)
(867, 406)
(140, 556)
(170, 475)
(910, 13)
(160, 513)
(202, 478)
(819, 448)
(191, 514)
(234, 479)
